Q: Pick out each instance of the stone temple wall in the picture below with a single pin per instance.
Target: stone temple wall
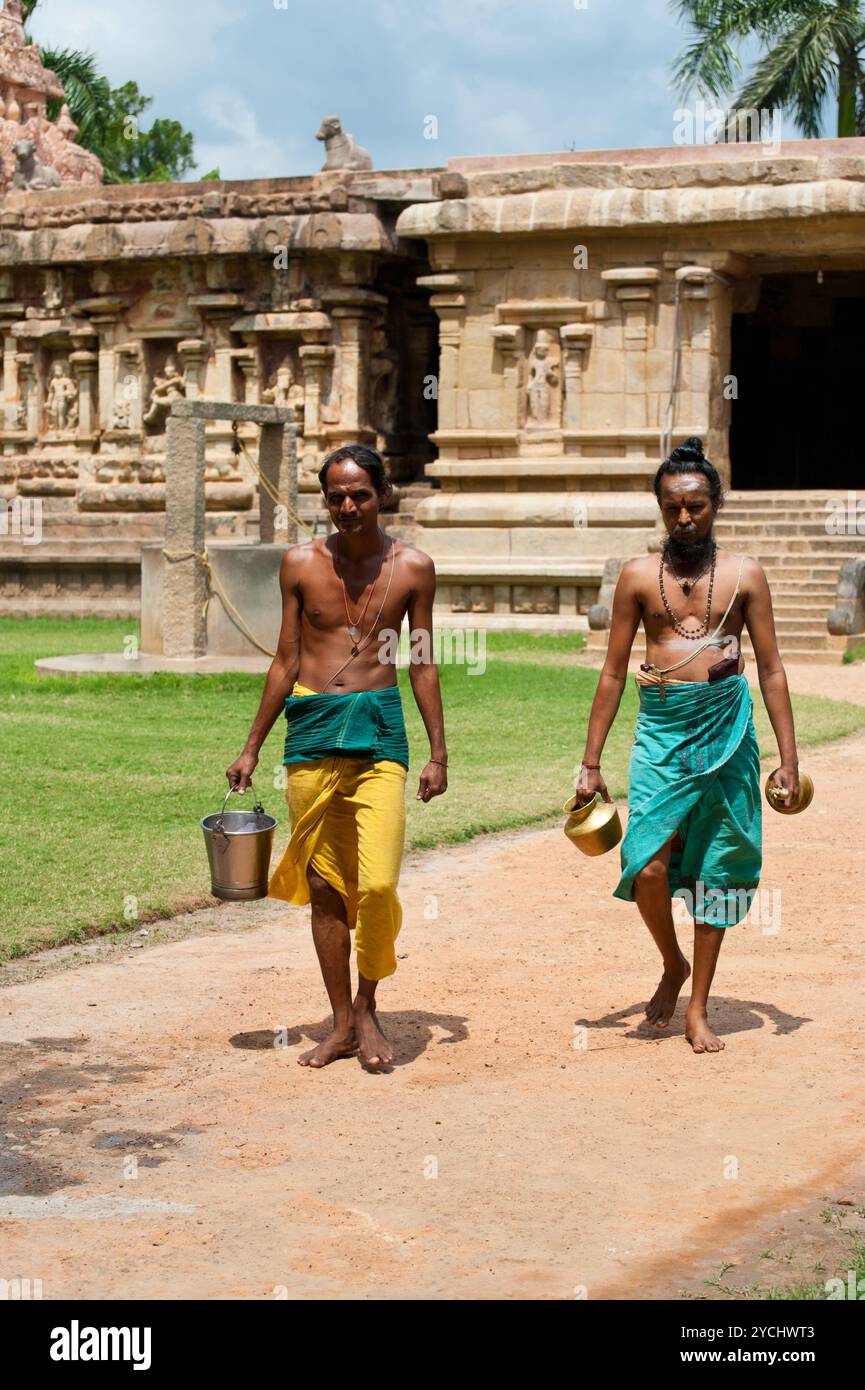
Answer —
(114, 301)
(572, 291)
(505, 330)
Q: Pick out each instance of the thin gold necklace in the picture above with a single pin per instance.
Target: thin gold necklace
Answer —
(355, 628)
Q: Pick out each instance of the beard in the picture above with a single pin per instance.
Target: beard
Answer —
(695, 551)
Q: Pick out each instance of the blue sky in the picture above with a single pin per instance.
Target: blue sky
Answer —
(253, 78)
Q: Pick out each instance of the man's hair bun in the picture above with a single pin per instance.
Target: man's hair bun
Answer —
(688, 457)
(689, 451)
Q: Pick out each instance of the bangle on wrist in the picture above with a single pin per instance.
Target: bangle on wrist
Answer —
(591, 767)
(441, 762)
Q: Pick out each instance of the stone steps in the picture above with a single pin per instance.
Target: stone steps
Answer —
(787, 533)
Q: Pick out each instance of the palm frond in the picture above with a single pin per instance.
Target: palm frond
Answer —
(801, 69)
(88, 93)
(710, 61)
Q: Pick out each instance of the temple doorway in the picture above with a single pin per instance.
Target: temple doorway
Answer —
(799, 364)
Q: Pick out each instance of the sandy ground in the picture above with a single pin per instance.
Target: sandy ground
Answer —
(535, 1141)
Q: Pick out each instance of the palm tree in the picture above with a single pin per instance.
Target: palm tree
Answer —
(813, 52)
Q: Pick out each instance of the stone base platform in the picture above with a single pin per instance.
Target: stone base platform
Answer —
(116, 664)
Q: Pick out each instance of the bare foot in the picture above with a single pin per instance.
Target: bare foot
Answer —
(375, 1049)
(698, 1032)
(662, 1005)
(340, 1043)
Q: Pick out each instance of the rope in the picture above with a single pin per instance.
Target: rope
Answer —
(214, 586)
(266, 484)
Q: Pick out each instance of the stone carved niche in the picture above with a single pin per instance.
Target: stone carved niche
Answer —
(281, 376)
(472, 598)
(384, 384)
(166, 384)
(126, 409)
(535, 598)
(61, 399)
(544, 383)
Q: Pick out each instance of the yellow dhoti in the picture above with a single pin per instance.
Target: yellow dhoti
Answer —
(348, 825)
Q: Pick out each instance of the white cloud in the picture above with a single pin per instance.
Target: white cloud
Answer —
(246, 151)
(503, 76)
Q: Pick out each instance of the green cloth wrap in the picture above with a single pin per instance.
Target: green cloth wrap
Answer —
(362, 724)
(695, 768)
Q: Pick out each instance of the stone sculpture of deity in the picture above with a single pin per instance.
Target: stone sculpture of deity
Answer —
(282, 388)
(543, 381)
(61, 398)
(168, 386)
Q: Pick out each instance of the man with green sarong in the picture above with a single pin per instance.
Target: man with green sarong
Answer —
(694, 823)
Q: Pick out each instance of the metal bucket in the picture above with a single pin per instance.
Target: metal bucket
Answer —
(238, 848)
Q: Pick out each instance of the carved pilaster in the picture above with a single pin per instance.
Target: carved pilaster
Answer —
(635, 290)
(354, 368)
(28, 399)
(314, 358)
(576, 339)
(509, 340)
(449, 303)
(126, 388)
(247, 362)
(84, 366)
(193, 353)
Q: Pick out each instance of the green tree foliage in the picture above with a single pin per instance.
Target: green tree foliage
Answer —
(109, 121)
(812, 52)
(132, 155)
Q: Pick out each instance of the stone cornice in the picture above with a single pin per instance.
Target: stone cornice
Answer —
(632, 208)
(194, 236)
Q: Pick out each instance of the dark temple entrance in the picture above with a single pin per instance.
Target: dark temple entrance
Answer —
(799, 363)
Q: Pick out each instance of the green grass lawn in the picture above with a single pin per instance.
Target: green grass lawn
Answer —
(106, 777)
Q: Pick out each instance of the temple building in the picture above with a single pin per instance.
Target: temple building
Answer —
(524, 338)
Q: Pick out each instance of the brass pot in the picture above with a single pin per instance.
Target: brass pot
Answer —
(775, 795)
(594, 827)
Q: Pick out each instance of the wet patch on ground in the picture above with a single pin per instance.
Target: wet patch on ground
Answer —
(35, 1096)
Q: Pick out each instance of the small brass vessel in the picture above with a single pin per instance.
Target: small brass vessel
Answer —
(593, 826)
(776, 797)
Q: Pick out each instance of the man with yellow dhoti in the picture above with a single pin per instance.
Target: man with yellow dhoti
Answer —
(344, 598)
(694, 822)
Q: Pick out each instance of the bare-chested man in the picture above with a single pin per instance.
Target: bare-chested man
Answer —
(694, 785)
(346, 754)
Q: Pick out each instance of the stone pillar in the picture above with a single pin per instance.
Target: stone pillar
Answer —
(509, 339)
(576, 339)
(269, 466)
(314, 358)
(84, 365)
(193, 354)
(184, 574)
(289, 474)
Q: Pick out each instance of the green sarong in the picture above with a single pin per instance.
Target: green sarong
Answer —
(361, 724)
(695, 768)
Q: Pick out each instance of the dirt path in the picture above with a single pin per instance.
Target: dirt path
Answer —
(162, 1146)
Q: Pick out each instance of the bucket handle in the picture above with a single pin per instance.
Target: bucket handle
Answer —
(256, 806)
